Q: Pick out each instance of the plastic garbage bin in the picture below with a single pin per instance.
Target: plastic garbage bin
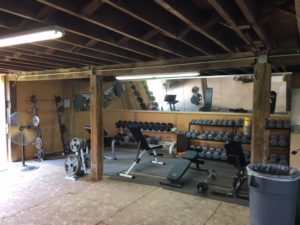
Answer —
(273, 191)
(298, 208)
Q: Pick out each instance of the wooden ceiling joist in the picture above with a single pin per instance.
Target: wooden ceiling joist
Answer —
(116, 25)
(219, 6)
(190, 19)
(297, 8)
(159, 22)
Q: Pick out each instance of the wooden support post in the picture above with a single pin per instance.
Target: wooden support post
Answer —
(261, 112)
(203, 87)
(288, 92)
(96, 128)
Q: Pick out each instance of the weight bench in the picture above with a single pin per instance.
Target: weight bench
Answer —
(143, 147)
(237, 159)
(180, 168)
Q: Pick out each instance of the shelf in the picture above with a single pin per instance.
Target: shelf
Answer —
(206, 140)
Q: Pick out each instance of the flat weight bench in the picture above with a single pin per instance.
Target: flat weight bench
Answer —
(180, 168)
(143, 147)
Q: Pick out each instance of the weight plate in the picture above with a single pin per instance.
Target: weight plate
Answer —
(195, 100)
(76, 144)
(72, 165)
(152, 98)
(38, 143)
(41, 154)
(35, 121)
(195, 89)
(136, 93)
(139, 99)
(202, 187)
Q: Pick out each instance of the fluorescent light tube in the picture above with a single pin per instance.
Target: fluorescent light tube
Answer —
(30, 36)
(159, 76)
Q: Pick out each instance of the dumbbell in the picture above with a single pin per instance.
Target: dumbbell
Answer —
(271, 124)
(148, 140)
(210, 136)
(192, 148)
(283, 162)
(273, 141)
(237, 138)
(203, 152)
(230, 123)
(238, 123)
(163, 127)
(202, 187)
(224, 156)
(126, 139)
(246, 156)
(219, 123)
(224, 123)
(194, 134)
(245, 139)
(279, 124)
(283, 156)
(219, 136)
(274, 156)
(283, 141)
(198, 148)
(272, 161)
(216, 155)
(188, 134)
(287, 124)
(226, 137)
(156, 126)
(209, 153)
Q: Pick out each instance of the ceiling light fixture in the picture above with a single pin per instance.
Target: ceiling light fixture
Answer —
(185, 75)
(30, 36)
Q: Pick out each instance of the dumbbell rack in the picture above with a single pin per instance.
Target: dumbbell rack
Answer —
(168, 138)
(234, 129)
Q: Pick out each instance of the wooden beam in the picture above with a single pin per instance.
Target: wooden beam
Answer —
(261, 112)
(159, 21)
(90, 7)
(248, 9)
(20, 9)
(203, 87)
(297, 8)
(191, 20)
(216, 62)
(116, 25)
(219, 6)
(97, 128)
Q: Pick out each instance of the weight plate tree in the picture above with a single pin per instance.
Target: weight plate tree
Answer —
(22, 131)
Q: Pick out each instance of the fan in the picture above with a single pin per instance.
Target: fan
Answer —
(22, 131)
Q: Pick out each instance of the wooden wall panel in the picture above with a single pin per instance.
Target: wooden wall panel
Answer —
(45, 92)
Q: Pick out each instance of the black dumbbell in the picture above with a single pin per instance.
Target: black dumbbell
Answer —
(271, 124)
(287, 124)
(279, 124)
(224, 156)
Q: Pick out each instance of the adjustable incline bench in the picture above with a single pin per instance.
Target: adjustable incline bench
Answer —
(180, 168)
(143, 147)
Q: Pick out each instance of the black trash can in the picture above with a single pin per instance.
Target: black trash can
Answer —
(273, 191)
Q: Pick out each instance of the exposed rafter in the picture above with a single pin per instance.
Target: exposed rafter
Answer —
(191, 20)
(220, 8)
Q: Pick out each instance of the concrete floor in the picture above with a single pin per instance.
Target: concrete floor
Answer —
(44, 196)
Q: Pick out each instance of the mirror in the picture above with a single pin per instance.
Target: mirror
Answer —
(225, 94)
